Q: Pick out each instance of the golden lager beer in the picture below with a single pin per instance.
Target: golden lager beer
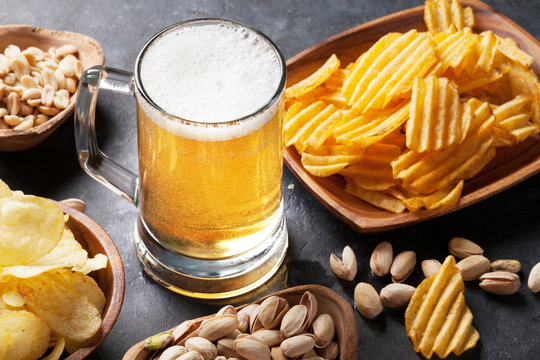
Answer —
(210, 101)
(210, 163)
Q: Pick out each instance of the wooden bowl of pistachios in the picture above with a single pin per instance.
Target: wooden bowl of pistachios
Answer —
(309, 320)
(39, 74)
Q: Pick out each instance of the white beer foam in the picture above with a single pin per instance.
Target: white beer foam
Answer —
(210, 73)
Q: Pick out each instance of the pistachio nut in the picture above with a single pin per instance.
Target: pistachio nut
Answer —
(234, 334)
(402, 266)
(76, 204)
(367, 300)
(251, 349)
(221, 358)
(381, 259)
(268, 337)
(227, 310)
(158, 341)
(534, 279)
(203, 346)
(330, 351)
(396, 295)
(172, 353)
(310, 302)
(277, 354)
(218, 326)
(297, 345)
(185, 330)
(244, 316)
(191, 355)
(311, 354)
(462, 248)
(272, 311)
(346, 268)
(294, 321)
(472, 267)
(500, 282)
(430, 267)
(225, 348)
(512, 266)
(323, 329)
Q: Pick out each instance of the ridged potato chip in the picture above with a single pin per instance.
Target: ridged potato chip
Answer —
(314, 80)
(382, 75)
(65, 310)
(433, 171)
(439, 15)
(437, 319)
(374, 171)
(29, 228)
(24, 336)
(375, 198)
(437, 118)
(514, 118)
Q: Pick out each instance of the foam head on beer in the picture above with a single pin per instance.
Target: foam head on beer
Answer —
(210, 73)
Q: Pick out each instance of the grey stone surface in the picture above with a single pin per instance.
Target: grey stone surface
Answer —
(506, 225)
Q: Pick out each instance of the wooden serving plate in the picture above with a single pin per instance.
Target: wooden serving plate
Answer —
(328, 302)
(510, 166)
(90, 53)
(111, 280)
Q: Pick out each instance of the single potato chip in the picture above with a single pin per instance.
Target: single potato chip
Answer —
(314, 80)
(24, 336)
(65, 310)
(439, 15)
(375, 198)
(58, 349)
(437, 118)
(437, 319)
(98, 262)
(376, 84)
(29, 228)
(86, 286)
(5, 191)
(67, 253)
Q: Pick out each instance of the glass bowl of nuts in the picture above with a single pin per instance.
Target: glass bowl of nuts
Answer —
(39, 76)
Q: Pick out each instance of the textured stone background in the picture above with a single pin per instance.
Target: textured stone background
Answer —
(506, 225)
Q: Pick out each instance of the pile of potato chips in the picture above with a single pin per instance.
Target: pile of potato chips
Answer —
(47, 302)
(416, 114)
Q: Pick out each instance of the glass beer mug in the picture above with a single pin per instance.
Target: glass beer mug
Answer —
(209, 116)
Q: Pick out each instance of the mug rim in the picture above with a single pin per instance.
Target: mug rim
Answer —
(272, 100)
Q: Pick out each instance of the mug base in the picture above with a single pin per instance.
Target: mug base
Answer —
(212, 279)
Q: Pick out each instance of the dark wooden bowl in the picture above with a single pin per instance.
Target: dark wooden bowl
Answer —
(111, 280)
(328, 302)
(90, 53)
(509, 167)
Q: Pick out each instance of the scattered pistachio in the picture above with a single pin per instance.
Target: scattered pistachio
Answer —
(512, 266)
(462, 248)
(381, 259)
(346, 268)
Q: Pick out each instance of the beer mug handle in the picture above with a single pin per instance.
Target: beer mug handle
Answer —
(97, 164)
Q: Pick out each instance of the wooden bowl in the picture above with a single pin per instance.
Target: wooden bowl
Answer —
(111, 280)
(328, 302)
(510, 166)
(90, 53)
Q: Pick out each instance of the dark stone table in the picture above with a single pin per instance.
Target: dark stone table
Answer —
(506, 225)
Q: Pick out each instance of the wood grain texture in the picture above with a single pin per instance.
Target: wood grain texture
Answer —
(111, 280)
(24, 36)
(328, 303)
(509, 167)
